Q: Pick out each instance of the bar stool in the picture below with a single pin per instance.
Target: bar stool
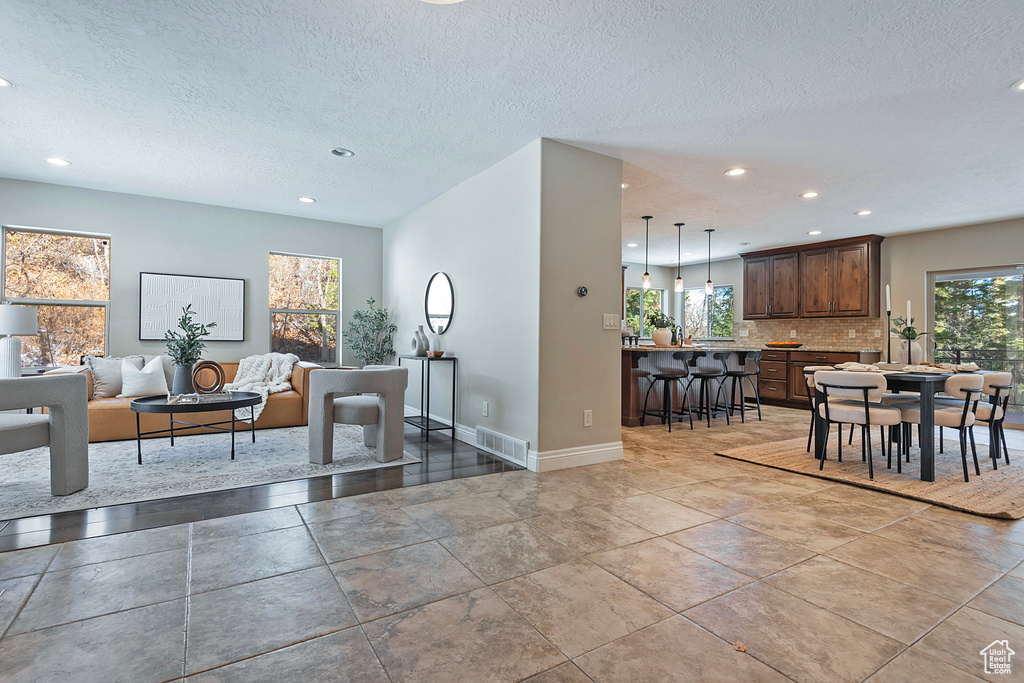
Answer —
(737, 383)
(668, 379)
(705, 379)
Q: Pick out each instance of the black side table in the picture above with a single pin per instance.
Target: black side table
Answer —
(423, 421)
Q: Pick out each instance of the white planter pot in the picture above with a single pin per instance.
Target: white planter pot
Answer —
(662, 336)
(910, 352)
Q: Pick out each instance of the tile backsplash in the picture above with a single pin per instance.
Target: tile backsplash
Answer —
(825, 334)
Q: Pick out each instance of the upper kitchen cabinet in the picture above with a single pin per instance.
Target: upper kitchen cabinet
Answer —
(834, 279)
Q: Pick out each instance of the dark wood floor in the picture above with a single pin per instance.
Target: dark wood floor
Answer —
(442, 459)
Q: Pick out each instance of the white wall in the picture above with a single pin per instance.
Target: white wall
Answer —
(485, 233)
(165, 236)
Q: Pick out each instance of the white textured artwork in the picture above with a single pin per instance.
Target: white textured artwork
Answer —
(213, 299)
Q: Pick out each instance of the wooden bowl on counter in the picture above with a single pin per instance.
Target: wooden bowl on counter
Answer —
(435, 354)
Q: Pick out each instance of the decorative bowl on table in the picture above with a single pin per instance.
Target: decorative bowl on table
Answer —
(783, 345)
(435, 354)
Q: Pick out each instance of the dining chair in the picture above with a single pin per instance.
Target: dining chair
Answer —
(809, 379)
(964, 389)
(997, 386)
(855, 398)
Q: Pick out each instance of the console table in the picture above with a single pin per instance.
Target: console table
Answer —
(423, 421)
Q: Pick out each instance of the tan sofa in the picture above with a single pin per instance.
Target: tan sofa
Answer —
(111, 419)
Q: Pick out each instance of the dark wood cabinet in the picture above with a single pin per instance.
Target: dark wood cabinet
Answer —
(833, 279)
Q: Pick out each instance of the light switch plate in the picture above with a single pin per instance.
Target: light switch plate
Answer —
(611, 321)
(588, 418)
(792, 334)
(485, 409)
(744, 333)
(853, 334)
(878, 334)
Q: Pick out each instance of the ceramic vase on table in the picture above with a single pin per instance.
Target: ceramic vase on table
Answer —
(910, 352)
(182, 383)
(420, 344)
(662, 336)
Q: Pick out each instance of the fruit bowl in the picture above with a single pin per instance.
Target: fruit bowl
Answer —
(783, 345)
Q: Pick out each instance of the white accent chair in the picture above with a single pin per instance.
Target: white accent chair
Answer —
(340, 396)
(855, 398)
(809, 379)
(64, 427)
(964, 389)
(997, 386)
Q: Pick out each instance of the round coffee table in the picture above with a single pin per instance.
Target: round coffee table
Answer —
(159, 404)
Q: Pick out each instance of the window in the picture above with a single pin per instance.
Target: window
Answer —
(640, 302)
(305, 306)
(66, 276)
(708, 317)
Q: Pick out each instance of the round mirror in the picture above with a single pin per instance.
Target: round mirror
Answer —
(440, 303)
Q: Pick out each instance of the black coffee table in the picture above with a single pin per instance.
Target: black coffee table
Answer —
(159, 404)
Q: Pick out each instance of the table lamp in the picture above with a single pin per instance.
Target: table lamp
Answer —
(14, 320)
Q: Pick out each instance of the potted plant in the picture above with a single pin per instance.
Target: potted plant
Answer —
(910, 352)
(371, 335)
(661, 323)
(186, 347)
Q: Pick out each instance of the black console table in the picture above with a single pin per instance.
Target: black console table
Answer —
(423, 421)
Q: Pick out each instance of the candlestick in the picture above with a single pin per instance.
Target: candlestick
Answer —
(908, 312)
(888, 299)
(888, 337)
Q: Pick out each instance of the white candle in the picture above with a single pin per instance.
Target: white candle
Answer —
(908, 312)
(888, 299)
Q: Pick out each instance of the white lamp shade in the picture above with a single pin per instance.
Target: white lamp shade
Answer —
(18, 320)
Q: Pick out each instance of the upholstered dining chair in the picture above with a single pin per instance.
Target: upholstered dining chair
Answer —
(855, 398)
(964, 389)
(997, 386)
(809, 378)
(373, 397)
(64, 427)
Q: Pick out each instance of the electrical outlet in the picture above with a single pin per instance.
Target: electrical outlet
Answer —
(588, 418)
(485, 408)
(611, 321)
(744, 333)
(878, 334)
(853, 334)
(792, 334)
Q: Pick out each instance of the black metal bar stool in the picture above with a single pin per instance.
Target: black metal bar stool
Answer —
(738, 376)
(668, 379)
(705, 379)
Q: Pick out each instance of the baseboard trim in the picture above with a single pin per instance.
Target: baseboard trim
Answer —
(578, 456)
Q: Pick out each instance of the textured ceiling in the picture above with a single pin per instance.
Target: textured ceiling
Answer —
(904, 108)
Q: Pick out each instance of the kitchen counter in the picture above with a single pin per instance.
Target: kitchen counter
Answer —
(723, 346)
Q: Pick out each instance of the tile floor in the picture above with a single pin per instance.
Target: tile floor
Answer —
(646, 570)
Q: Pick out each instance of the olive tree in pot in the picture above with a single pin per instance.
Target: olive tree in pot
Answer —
(186, 347)
(371, 335)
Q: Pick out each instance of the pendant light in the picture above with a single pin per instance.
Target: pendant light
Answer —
(709, 288)
(679, 256)
(647, 251)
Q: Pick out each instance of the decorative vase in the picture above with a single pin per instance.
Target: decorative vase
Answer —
(662, 336)
(422, 345)
(910, 352)
(182, 383)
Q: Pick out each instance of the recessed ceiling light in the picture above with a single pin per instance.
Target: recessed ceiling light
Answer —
(743, 244)
(625, 185)
(4, 83)
(687, 253)
(736, 171)
(56, 161)
(342, 152)
(814, 232)
(306, 200)
(1019, 85)
(865, 212)
(632, 244)
(809, 195)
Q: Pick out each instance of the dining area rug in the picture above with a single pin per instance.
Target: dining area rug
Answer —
(195, 464)
(993, 493)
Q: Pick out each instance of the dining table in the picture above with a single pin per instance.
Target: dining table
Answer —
(926, 384)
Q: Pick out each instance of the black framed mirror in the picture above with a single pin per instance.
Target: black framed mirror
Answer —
(439, 303)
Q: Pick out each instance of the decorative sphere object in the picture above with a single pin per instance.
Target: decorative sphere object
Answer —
(218, 377)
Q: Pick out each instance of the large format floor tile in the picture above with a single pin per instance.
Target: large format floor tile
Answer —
(457, 515)
(563, 673)
(803, 641)
(218, 564)
(342, 539)
(960, 639)
(26, 562)
(505, 551)
(1003, 599)
(802, 528)
(733, 494)
(671, 574)
(999, 529)
(243, 525)
(471, 637)
(13, 594)
(396, 580)
(743, 549)
(139, 645)
(984, 551)
(914, 666)
(578, 606)
(589, 529)
(343, 656)
(337, 508)
(671, 651)
(655, 513)
(119, 546)
(241, 621)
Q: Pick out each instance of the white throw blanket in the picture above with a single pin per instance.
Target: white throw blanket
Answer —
(266, 374)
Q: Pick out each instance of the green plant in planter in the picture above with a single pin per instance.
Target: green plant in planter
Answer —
(186, 347)
(658, 319)
(371, 335)
(905, 329)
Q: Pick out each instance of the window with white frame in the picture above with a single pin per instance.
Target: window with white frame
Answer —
(640, 303)
(708, 317)
(66, 276)
(305, 306)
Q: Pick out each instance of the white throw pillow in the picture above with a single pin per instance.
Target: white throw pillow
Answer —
(168, 366)
(106, 373)
(145, 382)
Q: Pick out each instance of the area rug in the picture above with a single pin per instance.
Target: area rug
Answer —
(195, 464)
(998, 493)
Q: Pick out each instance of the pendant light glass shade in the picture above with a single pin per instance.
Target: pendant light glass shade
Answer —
(679, 256)
(647, 251)
(709, 287)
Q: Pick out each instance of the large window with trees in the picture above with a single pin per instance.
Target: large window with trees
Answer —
(305, 306)
(639, 303)
(66, 276)
(708, 317)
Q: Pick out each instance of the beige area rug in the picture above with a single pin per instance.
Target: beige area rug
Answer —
(195, 464)
(998, 493)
